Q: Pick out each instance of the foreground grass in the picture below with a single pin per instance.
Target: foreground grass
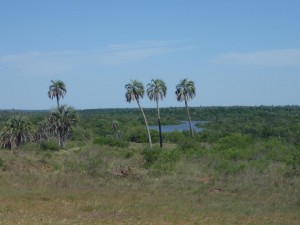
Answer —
(101, 185)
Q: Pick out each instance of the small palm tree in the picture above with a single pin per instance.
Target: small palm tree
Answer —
(42, 131)
(17, 131)
(61, 121)
(157, 90)
(135, 91)
(57, 89)
(115, 128)
(114, 125)
(185, 91)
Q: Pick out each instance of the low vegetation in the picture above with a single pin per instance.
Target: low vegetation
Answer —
(244, 168)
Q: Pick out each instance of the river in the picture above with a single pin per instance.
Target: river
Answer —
(179, 127)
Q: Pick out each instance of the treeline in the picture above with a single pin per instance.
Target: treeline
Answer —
(234, 138)
(281, 122)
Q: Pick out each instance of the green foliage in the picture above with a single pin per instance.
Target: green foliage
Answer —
(188, 144)
(167, 160)
(239, 154)
(57, 89)
(294, 163)
(228, 167)
(235, 140)
(160, 159)
(49, 145)
(61, 122)
(16, 132)
(81, 135)
(110, 141)
(174, 136)
(151, 155)
(254, 136)
(137, 134)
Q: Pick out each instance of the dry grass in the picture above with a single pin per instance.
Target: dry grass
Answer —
(34, 190)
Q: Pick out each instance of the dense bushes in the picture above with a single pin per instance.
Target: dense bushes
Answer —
(110, 141)
(234, 139)
(161, 159)
(49, 145)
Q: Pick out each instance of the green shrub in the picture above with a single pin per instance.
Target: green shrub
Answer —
(294, 163)
(138, 135)
(275, 150)
(160, 159)
(174, 136)
(238, 154)
(49, 145)
(154, 136)
(167, 160)
(80, 134)
(227, 167)
(110, 141)
(195, 153)
(151, 155)
(188, 144)
(235, 140)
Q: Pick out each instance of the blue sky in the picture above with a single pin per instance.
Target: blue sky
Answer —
(237, 52)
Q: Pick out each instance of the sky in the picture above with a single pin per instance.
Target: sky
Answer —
(237, 52)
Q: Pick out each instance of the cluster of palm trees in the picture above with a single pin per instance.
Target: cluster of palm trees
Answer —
(61, 119)
(157, 90)
(18, 130)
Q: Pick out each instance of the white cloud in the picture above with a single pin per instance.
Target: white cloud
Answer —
(62, 62)
(278, 57)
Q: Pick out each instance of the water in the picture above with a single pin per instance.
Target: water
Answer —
(179, 127)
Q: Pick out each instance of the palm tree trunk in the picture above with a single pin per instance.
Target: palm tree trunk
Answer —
(57, 100)
(159, 125)
(189, 117)
(149, 135)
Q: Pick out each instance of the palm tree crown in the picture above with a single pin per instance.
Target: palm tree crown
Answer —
(156, 90)
(61, 121)
(135, 90)
(185, 90)
(57, 90)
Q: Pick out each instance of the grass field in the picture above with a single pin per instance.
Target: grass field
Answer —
(106, 185)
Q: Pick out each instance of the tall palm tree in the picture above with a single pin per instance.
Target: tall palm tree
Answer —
(185, 91)
(57, 89)
(17, 131)
(135, 91)
(61, 121)
(157, 90)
